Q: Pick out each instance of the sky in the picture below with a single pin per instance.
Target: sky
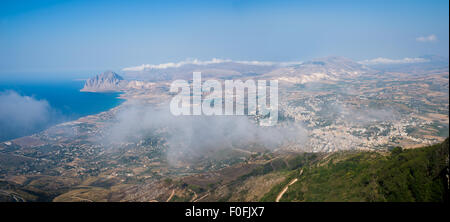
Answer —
(88, 36)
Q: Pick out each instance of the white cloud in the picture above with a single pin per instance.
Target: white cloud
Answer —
(208, 62)
(20, 115)
(268, 63)
(430, 38)
(175, 65)
(256, 63)
(381, 60)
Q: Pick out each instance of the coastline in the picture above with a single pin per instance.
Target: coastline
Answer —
(81, 119)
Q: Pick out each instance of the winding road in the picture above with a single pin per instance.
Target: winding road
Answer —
(280, 195)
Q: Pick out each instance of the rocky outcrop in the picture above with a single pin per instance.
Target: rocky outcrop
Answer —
(107, 81)
(328, 68)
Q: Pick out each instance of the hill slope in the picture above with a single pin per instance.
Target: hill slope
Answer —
(411, 175)
(107, 81)
(402, 175)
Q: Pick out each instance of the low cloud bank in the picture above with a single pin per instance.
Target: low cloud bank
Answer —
(23, 115)
(429, 38)
(195, 136)
(386, 61)
(204, 63)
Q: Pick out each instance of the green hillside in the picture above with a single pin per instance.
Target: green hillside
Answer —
(401, 175)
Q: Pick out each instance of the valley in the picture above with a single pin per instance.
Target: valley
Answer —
(337, 118)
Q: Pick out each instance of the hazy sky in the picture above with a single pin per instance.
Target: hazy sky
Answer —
(72, 36)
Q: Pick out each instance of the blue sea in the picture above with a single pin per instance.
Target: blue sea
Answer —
(64, 98)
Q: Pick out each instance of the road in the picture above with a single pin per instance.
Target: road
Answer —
(171, 195)
(280, 195)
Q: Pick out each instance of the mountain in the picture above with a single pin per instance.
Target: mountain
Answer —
(107, 81)
(419, 65)
(328, 68)
(213, 69)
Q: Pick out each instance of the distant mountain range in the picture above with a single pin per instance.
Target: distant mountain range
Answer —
(331, 68)
(409, 65)
(183, 70)
(328, 68)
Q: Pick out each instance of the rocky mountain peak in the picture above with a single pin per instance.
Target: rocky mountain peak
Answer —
(106, 81)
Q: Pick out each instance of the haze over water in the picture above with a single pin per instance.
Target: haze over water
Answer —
(54, 101)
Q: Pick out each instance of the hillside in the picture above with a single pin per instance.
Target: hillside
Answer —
(107, 81)
(413, 175)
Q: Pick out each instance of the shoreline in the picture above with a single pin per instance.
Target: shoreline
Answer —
(80, 119)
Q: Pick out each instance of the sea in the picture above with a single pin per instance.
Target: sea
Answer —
(64, 98)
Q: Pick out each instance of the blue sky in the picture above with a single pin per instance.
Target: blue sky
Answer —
(85, 36)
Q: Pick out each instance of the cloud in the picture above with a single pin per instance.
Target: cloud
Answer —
(430, 38)
(175, 65)
(191, 137)
(22, 115)
(380, 60)
(207, 62)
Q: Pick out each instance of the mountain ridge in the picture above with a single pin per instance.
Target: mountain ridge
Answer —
(104, 82)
